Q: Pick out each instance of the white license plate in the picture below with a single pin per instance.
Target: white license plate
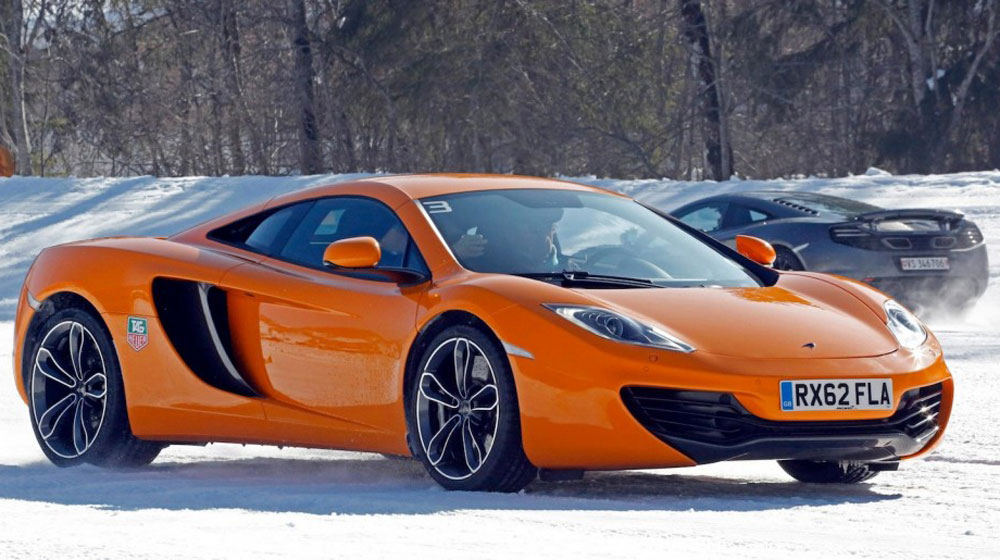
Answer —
(836, 394)
(924, 263)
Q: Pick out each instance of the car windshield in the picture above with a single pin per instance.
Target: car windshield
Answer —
(540, 232)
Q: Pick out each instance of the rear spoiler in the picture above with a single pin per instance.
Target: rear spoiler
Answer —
(912, 213)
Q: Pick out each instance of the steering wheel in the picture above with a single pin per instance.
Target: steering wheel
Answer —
(627, 261)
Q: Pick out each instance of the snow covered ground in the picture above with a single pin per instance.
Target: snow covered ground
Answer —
(225, 501)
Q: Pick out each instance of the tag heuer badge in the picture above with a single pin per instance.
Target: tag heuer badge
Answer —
(138, 334)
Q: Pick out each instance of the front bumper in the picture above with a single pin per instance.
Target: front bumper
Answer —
(711, 427)
(573, 415)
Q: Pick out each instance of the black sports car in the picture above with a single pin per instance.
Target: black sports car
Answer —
(926, 258)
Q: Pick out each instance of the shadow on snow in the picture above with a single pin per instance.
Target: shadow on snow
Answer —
(373, 486)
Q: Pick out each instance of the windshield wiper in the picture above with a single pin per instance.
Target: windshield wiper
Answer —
(584, 277)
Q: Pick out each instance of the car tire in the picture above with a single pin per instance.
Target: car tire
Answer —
(825, 472)
(468, 436)
(76, 398)
(786, 259)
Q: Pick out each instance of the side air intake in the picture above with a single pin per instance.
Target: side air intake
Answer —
(195, 318)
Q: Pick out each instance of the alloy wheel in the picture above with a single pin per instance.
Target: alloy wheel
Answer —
(786, 260)
(69, 389)
(457, 408)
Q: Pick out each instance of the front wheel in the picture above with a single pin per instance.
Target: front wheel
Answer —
(842, 472)
(462, 409)
(76, 396)
(786, 259)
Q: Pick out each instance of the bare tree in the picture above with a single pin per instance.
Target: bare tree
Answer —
(17, 46)
(642, 88)
(310, 157)
(718, 149)
(943, 64)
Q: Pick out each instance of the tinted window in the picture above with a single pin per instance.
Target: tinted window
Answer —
(332, 219)
(707, 218)
(261, 232)
(739, 216)
(266, 233)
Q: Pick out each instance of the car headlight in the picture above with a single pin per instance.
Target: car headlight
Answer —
(904, 325)
(618, 327)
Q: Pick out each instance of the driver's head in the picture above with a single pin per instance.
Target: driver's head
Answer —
(532, 237)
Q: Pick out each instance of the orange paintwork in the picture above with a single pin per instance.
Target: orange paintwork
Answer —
(756, 249)
(328, 352)
(6, 162)
(356, 252)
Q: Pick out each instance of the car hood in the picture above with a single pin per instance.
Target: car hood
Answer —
(810, 319)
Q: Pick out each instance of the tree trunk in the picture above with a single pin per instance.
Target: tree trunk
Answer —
(13, 24)
(718, 150)
(310, 160)
(231, 68)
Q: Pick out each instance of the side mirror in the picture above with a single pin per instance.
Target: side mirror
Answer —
(354, 252)
(755, 249)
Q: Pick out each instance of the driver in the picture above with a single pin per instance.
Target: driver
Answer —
(529, 245)
(532, 241)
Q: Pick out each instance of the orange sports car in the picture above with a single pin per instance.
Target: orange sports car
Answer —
(495, 327)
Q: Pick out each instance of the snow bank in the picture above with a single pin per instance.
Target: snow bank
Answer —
(228, 501)
(38, 212)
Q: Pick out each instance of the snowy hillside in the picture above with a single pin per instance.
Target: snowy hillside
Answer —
(232, 501)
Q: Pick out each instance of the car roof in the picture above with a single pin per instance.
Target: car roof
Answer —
(395, 191)
(419, 186)
(795, 201)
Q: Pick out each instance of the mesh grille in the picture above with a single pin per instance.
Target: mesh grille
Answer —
(719, 419)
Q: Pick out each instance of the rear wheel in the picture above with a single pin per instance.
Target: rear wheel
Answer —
(786, 259)
(462, 410)
(843, 472)
(76, 397)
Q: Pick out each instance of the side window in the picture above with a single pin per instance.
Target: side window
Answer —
(707, 218)
(261, 232)
(332, 219)
(740, 216)
(266, 233)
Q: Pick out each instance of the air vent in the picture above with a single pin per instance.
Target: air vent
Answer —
(795, 206)
(897, 243)
(943, 242)
(854, 236)
(195, 319)
(708, 423)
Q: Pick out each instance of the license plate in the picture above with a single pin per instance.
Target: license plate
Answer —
(836, 394)
(924, 263)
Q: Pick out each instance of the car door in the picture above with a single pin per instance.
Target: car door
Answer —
(332, 342)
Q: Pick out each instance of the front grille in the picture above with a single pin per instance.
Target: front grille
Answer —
(719, 419)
